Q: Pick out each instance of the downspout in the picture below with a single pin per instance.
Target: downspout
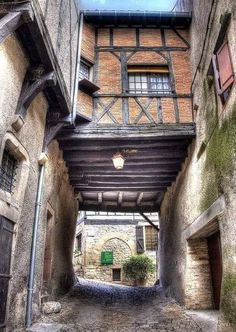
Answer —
(38, 204)
(78, 56)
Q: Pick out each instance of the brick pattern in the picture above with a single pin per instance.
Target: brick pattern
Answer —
(182, 71)
(124, 37)
(85, 104)
(88, 42)
(103, 37)
(147, 57)
(109, 73)
(198, 278)
(150, 37)
(173, 40)
(185, 110)
(168, 111)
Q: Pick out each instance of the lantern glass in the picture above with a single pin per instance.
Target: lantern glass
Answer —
(118, 161)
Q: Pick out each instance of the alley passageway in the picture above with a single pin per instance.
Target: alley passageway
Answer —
(100, 307)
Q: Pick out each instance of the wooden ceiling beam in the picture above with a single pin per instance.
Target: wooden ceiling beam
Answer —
(99, 198)
(128, 189)
(87, 146)
(142, 163)
(120, 198)
(140, 168)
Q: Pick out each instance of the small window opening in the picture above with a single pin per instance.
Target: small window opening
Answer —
(84, 71)
(116, 274)
(79, 242)
(8, 171)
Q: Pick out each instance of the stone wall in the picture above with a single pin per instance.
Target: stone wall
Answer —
(208, 173)
(26, 145)
(119, 238)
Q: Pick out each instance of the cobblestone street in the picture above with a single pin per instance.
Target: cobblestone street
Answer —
(97, 307)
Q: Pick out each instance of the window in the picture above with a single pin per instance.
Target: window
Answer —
(7, 171)
(223, 71)
(116, 274)
(79, 242)
(84, 71)
(151, 238)
(147, 80)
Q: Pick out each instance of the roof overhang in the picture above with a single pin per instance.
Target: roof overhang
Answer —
(138, 18)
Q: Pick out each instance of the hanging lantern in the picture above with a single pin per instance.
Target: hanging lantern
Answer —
(118, 160)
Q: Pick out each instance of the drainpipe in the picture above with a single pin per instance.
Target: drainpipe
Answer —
(42, 162)
(77, 69)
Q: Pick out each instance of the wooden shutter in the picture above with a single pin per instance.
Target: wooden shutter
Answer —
(225, 68)
(139, 239)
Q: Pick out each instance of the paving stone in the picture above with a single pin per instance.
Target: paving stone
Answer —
(96, 307)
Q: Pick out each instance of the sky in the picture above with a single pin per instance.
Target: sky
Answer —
(150, 5)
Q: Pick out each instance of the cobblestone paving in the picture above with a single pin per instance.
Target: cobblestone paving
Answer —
(95, 307)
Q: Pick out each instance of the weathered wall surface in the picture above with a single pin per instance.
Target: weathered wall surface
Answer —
(62, 22)
(108, 73)
(119, 238)
(208, 173)
(19, 206)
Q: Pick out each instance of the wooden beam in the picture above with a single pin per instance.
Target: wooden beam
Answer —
(130, 155)
(36, 80)
(115, 208)
(149, 221)
(14, 17)
(121, 183)
(123, 178)
(120, 198)
(139, 199)
(108, 163)
(110, 146)
(140, 168)
(152, 188)
(99, 198)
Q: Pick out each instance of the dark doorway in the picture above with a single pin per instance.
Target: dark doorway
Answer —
(48, 253)
(214, 249)
(6, 235)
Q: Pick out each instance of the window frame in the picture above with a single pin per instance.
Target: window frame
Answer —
(8, 171)
(84, 62)
(148, 82)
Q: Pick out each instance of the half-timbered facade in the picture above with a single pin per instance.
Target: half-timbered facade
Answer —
(135, 97)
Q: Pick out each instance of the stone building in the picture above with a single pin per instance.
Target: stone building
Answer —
(197, 218)
(36, 92)
(119, 235)
(155, 90)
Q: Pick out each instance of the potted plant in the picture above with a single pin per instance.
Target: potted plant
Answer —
(138, 268)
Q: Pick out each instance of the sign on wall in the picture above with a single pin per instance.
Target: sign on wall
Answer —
(107, 257)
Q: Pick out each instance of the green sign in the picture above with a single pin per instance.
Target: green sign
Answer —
(107, 257)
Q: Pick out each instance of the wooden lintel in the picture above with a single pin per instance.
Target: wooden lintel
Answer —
(149, 221)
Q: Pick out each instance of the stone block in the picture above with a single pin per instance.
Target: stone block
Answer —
(51, 307)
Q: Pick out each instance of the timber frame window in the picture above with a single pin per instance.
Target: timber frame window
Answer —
(149, 80)
(8, 171)
(223, 71)
(85, 70)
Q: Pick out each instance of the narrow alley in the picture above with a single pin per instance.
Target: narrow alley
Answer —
(98, 307)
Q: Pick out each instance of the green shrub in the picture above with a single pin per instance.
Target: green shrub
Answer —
(138, 267)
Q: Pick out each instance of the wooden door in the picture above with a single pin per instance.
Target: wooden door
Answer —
(214, 249)
(6, 235)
